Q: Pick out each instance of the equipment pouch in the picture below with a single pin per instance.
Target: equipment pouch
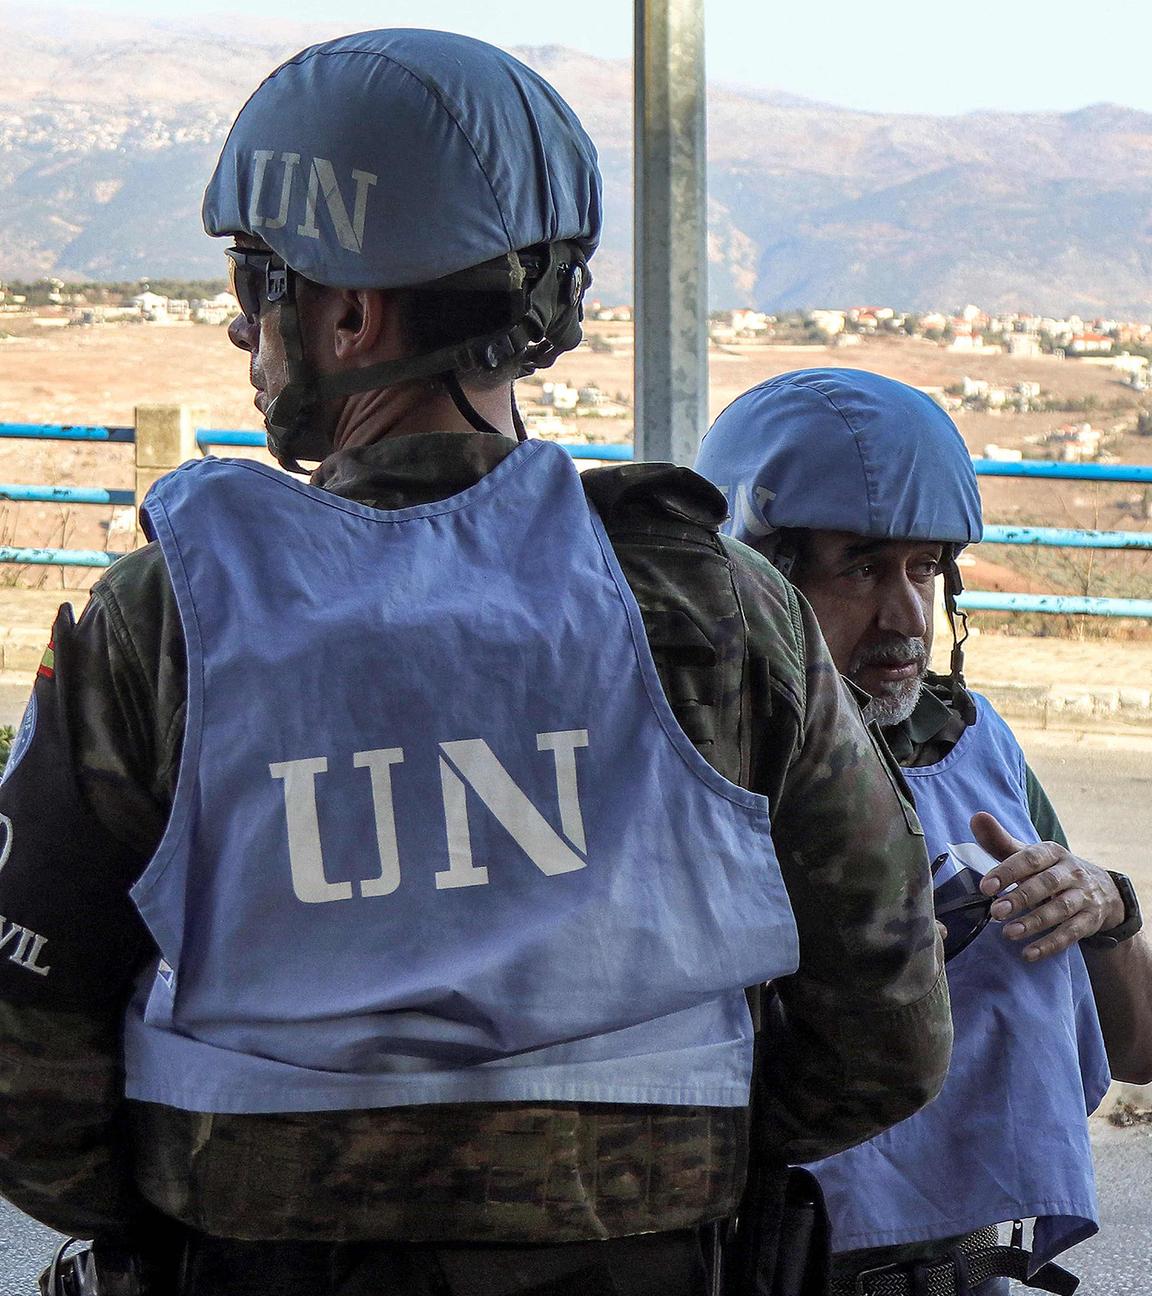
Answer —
(85, 1273)
(802, 1252)
(780, 1243)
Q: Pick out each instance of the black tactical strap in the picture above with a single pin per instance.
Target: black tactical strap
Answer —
(978, 1258)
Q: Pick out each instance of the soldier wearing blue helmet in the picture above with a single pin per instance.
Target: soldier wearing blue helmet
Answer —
(439, 165)
(409, 847)
(861, 490)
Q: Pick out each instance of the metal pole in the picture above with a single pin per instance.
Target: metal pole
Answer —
(670, 231)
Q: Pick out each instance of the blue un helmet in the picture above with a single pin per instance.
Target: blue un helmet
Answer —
(845, 450)
(407, 158)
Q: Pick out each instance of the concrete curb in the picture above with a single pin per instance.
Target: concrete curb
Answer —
(1072, 705)
(22, 647)
(1045, 705)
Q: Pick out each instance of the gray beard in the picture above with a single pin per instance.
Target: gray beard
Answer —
(895, 707)
(897, 703)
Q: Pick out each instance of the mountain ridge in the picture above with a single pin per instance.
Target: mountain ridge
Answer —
(109, 130)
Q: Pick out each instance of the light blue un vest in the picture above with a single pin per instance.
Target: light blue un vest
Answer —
(1008, 1136)
(437, 836)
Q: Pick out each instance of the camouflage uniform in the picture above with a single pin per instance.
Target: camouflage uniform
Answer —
(861, 1038)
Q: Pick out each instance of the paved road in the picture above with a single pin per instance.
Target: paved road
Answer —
(1101, 786)
(25, 1250)
(1118, 1260)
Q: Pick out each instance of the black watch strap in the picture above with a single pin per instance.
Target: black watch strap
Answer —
(1105, 940)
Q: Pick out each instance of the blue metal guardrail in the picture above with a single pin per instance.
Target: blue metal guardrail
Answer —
(65, 432)
(43, 557)
(1067, 604)
(57, 557)
(976, 600)
(66, 495)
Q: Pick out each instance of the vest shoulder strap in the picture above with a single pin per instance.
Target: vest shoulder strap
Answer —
(663, 523)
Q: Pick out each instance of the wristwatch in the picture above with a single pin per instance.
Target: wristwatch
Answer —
(1106, 940)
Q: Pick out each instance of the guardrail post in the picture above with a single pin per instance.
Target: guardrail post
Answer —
(165, 438)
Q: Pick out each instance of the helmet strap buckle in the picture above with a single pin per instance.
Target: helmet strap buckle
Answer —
(277, 283)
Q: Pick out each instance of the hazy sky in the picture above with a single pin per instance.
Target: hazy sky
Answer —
(890, 55)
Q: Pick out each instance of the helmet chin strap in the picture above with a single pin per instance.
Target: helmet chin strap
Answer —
(517, 417)
(473, 415)
(953, 588)
(465, 407)
(290, 434)
(549, 326)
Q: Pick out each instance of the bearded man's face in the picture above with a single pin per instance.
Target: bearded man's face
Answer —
(874, 601)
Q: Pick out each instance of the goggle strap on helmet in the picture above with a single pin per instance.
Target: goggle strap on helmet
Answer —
(487, 352)
(506, 274)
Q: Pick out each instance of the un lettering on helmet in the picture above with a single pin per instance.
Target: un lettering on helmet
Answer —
(322, 182)
(394, 158)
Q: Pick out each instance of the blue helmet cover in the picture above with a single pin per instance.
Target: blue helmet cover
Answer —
(392, 158)
(842, 450)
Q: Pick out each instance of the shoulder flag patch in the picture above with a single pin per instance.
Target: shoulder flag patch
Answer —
(47, 667)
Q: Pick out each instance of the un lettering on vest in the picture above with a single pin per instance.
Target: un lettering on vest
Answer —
(25, 945)
(322, 182)
(466, 763)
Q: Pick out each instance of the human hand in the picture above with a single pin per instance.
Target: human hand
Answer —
(1057, 893)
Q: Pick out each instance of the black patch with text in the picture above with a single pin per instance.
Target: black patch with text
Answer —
(70, 935)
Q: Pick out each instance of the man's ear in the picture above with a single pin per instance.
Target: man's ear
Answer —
(363, 323)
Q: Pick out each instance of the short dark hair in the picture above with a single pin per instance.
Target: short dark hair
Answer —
(434, 319)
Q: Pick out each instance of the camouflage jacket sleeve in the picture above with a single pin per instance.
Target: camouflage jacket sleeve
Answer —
(64, 893)
(860, 1037)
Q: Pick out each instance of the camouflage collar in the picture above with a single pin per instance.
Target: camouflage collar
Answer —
(401, 471)
(931, 730)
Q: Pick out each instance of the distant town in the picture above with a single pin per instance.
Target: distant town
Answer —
(969, 330)
(555, 408)
(1122, 346)
(54, 304)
